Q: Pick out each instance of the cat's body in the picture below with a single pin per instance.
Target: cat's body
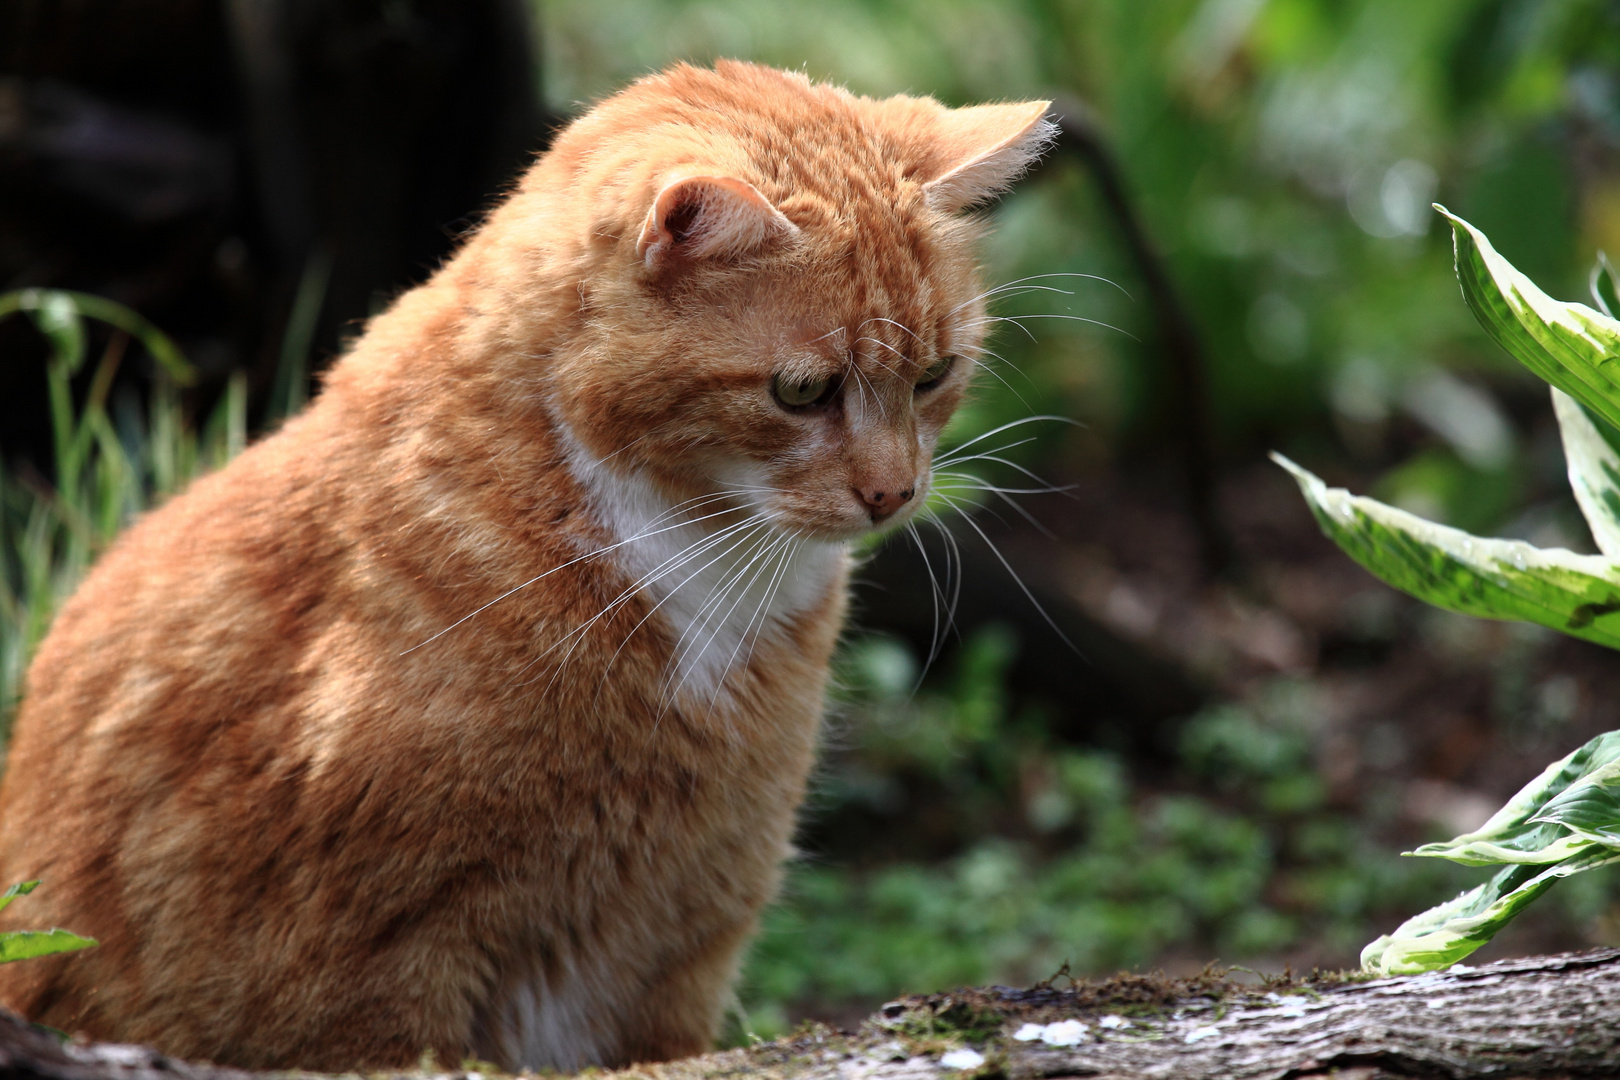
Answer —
(471, 712)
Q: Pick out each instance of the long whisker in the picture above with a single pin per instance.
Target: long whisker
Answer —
(978, 483)
(1006, 497)
(1002, 559)
(705, 615)
(668, 566)
(1015, 423)
(979, 353)
(749, 530)
(959, 459)
(710, 606)
(863, 381)
(1039, 277)
(593, 554)
(1015, 320)
(783, 554)
(938, 633)
(1046, 488)
(770, 598)
(1003, 381)
(892, 322)
(893, 371)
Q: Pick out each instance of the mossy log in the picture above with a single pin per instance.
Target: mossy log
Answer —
(1550, 1016)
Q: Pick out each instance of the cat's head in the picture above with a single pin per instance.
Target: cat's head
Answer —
(776, 285)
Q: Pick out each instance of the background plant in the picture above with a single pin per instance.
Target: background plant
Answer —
(27, 944)
(112, 460)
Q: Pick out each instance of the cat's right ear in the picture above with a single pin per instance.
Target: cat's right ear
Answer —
(705, 217)
(975, 153)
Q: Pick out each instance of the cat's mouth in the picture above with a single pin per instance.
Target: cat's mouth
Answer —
(855, 522)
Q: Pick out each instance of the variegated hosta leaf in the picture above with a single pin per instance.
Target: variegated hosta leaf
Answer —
(1594, 469)
(1605, 293)
(1494, 579)
(1571, 346)
(1521, 832)
(1445, 934)
(1589, 808)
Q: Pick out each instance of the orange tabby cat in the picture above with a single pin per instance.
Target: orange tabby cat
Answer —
(470, 712)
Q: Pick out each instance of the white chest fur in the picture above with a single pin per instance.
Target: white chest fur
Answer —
(720, 580)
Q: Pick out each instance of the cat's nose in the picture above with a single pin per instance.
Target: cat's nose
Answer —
(880, 504)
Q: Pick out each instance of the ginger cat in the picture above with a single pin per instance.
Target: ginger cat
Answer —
(470, 712)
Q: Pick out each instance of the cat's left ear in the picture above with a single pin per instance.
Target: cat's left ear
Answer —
(982, 149)
(701, 217)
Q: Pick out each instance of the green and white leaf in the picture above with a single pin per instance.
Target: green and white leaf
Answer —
(1605, 292)
(1594, 469)
(1589, 808)
(1445, 934)
(1571, 346)
(1493, 579)
(1522, 831)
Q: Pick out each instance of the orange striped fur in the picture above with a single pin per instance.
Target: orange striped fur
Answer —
(470, 712)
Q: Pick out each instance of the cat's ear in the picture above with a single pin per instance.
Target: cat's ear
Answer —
(982, 149)
(702, 217)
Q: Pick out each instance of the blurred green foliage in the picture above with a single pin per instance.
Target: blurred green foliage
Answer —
(113, 459)
(1076, 860)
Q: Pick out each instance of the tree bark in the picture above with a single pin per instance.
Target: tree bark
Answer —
(1543, 1017)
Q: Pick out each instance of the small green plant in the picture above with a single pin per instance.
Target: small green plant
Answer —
(111, 463)
(1567, 820)
(26, 944)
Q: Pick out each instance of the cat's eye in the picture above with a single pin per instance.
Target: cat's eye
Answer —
(935, 373)
(798, 393)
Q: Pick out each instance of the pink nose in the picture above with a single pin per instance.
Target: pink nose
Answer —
(880, 504)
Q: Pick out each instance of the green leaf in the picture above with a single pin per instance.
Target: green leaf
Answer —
(26, 944)
(1521, 832)
(1571, 346)
(1495, 579)
(1448, 932)
(57, 315)
(1602, 282)
(22, 888)
(1593, 461)
(1589, 808)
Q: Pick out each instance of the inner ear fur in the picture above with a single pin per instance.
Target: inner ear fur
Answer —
(701, 217)
(979, 151)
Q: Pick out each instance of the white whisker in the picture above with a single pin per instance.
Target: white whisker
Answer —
(596, 553)
(670, 565)
(1007, 566)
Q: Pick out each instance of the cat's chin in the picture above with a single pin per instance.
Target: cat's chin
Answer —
(852, 533)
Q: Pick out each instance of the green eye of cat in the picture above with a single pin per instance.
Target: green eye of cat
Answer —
(935, 372)
(797, 393)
